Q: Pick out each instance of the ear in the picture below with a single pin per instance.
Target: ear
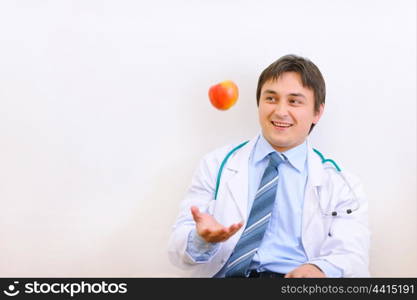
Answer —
(317, 115)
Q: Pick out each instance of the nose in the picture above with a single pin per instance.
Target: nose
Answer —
(281, 109)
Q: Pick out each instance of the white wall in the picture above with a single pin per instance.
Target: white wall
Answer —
(104, 114)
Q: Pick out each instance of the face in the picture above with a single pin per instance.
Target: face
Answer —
(286, 111)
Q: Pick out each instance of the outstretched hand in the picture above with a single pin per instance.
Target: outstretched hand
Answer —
(211, 230)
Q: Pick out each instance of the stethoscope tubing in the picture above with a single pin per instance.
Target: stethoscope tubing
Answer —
(335, 167)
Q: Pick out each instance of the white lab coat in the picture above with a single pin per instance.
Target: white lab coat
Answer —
(342, 241)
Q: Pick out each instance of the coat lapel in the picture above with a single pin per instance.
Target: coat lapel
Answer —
(314, 182)
(238, 179)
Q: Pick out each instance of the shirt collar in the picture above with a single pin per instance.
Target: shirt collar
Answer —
(295, 156)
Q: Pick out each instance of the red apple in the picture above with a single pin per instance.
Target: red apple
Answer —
(223, 95)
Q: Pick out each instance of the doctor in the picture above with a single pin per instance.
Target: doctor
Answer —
(271, 214)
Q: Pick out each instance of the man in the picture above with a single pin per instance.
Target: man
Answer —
(279, 210)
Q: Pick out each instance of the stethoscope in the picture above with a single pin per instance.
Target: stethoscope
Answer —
(329, 164)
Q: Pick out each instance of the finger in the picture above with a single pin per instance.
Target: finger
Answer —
(237, 226)
(217, 238)
(234, 228)
(223, 234)
(213, 234)
(226, 232)
(205, 232)
(231, 230)
(220, 232)
(220, 235)
(196, 213)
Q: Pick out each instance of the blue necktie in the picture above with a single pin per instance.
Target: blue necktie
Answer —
(238, 263)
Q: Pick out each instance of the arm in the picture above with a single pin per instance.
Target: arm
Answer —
(196, 235)
(203, 241)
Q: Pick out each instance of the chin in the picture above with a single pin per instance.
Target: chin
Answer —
(279, 143)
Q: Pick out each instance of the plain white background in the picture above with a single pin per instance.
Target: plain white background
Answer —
(104, 115)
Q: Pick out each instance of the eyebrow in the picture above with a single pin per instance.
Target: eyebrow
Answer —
(269, 92)
(291, 94)
(297, 95)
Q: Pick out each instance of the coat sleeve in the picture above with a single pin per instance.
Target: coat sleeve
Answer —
(200, 193)
(348, 240)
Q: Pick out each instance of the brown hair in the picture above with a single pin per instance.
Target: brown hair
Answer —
(311, 76)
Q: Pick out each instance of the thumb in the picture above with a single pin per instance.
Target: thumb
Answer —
(196, 213)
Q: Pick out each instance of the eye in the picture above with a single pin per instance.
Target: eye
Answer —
(295, 101)
(270, 99)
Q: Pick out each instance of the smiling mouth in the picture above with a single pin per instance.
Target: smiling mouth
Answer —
(281, 124)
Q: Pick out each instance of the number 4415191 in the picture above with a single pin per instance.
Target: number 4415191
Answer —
(393, 289)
